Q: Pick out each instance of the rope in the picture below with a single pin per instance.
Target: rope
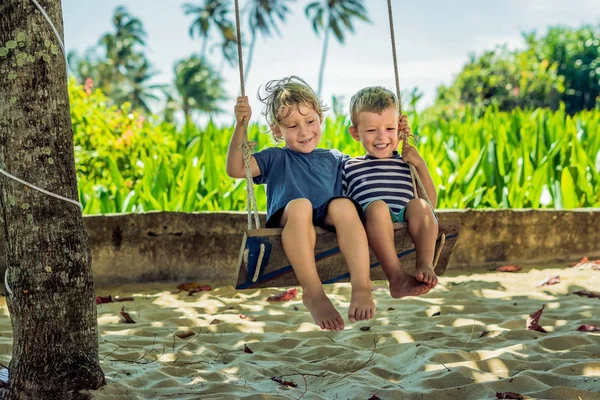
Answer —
(413, 171)
(60, 42)
(78, 204)
(246, 146)
(10, 176)
(393, 37)
(439, 250)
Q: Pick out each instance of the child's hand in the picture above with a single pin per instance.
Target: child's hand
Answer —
(411, 155)
(403, 127)
(242, 109)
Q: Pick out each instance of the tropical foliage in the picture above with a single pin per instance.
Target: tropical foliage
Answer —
(562, 66)
(497, 159)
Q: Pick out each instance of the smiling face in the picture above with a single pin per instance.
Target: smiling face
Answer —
(300, 128)
(377, 132)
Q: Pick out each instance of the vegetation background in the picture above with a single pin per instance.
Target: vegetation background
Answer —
(516, 127)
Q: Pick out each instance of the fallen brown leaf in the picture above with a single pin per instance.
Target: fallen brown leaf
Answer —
(534, 319)
(374, 397)
(126, 317)
(121, 299)
(588, 328)
(110, 299)
(242, 316)
(193, 287)
(247, 350)
(509, 268)
(282, 382)
(184, 334)
(284, 296)
(510, 395)
(587, 293)
(483, 333)
(549, 280)
(215, 321)
(104, 299)
(585, 262)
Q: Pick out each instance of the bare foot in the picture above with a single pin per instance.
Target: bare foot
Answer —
(323, 311)
(426, 274)
(402, 285)
(362, 306)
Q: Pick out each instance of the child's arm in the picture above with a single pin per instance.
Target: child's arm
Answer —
(411, 155)
(235, 158)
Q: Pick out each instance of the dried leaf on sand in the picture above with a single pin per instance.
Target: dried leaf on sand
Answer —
(289, 294)
(511, 395)
(549, 280)
(126, 317)
(533, 322)
(194, 287)
(509, 268)
(588, 293)
(284, 383)
(588, 328)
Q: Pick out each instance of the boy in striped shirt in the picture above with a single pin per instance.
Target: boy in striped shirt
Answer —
(380, 181)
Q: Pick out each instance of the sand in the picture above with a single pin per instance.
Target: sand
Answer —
(428, 347)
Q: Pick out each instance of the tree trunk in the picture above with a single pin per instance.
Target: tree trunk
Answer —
(52, 308)
(203, 50)
(250, 55)
(186, 114)
(323, 58)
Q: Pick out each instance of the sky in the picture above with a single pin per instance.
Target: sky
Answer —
(433, 39)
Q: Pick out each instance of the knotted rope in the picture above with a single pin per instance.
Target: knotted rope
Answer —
(246, 145)
(416, 179)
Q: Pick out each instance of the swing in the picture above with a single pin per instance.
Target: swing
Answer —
(262, 261)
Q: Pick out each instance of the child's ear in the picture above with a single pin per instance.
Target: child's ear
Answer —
(276, 131)
(354, 132)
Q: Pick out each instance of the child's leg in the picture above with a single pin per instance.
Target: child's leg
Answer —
(298, 239)
(423, 229)
(380, 232)
(352, 239)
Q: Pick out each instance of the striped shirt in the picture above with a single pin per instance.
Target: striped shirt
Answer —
(366, 179)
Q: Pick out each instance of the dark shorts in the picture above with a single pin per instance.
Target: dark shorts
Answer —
(318, 214)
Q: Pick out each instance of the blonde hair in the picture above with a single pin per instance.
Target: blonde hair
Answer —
(287, 94)
(375, 99)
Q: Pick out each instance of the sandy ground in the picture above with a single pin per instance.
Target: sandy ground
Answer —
(467, 339)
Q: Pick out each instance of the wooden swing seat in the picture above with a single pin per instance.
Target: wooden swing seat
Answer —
(262, 262)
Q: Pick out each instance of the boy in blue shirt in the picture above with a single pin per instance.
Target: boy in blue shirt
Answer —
(304, 189)
(381, 182)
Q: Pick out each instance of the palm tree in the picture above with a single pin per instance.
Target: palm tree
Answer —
(116, 55)
(263, 16)
(228, 45)
(120, 46)
(199, 86)
(213, 12)
(138, 91)
(171, 105)
(334, 16)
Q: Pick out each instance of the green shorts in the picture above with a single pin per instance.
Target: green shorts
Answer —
(396, 217)
(399, 216)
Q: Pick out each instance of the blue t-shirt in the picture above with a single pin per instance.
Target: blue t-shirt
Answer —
(291, 175)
